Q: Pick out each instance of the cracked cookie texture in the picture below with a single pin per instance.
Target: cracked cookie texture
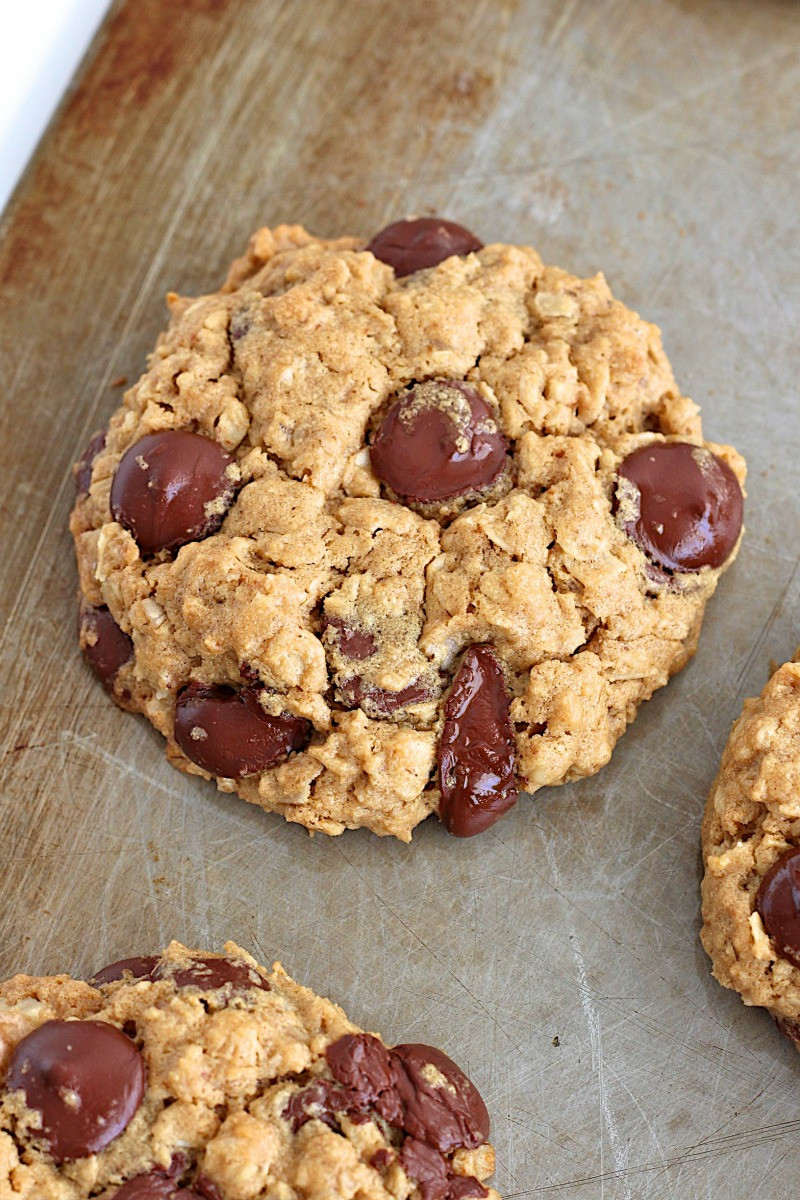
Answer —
(195, 1076)
(332, 576)
(750, 837)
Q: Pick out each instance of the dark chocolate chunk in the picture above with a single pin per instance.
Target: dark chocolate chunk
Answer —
(461, 1186)
(86, 1078)
(681, 505)
(778, 905)
(431, 1171)
(412, 245)
(83, 469)
(155, 1185)
(426, 1166)
(439, 441)
(140, 967)
(209, 973)
(446, 1116)
(351, 642)
(377, 702)
(206, 1189)
(228, 733)
(476, 750)
(320, 1101)
(171, 488)
(362, 1064)
(105, 647)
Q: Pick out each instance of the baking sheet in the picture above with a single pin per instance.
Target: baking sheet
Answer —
(657, 141)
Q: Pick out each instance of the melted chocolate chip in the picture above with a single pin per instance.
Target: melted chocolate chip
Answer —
(439, 441)
(154, 1185)
(84, 1077)
(171, 488)
(381, 1159)
(445, 1114)
(377, 702)
(351, 643)
(210, 973)
(134, 968)
(207, 1189)
(320, 1101)
(413, 245)
(460, 1186)
(432, 1173)
(83, 469)
(476, 749)
(778, 904)
(105, 647)
(361, 1062)
(426, 1166)
(229, 734)
(681, 505)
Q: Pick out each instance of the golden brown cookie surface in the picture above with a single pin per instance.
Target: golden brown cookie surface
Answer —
(336, 483)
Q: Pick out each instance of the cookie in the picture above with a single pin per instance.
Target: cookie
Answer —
(397, 528)
(196, 1076)
(751, 854)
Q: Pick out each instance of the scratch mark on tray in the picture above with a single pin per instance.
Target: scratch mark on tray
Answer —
(592, 1016)
(759, 642)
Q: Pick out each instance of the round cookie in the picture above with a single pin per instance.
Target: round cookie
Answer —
(751, 835)
(396, 528)
(195, 1076)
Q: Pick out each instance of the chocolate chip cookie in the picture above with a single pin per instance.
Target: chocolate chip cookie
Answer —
(195, 1076)
(751, 853)
(399, 527)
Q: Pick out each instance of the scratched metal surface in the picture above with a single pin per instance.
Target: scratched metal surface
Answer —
(656, 140)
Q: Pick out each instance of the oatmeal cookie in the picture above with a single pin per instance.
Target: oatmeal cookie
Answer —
(751, 854)
(196, 1076)
(398, 528)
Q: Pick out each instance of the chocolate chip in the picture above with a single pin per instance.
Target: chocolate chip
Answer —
(351, 642)
(426, 1166)
(681, 505)
(381, 1159)
(209, 973)
(432, 1173)
(171, 488)
(476, 750)
(320, 1101)
(461, 1186)
(228, 733)
(86, 1078)
(441, 1106)
(83, 469)
(105, 647)
(778, 904)
(154, 1185)
(376, 702)
(134, 968)
(439, 441)
(207, 1189)
(361, 1063)
(410, 246)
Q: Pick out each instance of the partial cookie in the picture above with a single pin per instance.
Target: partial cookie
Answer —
(751, 853)
(400, 528)
(195, 1076)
